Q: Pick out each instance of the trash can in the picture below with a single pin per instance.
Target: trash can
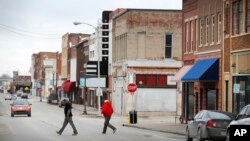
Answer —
(133, 117)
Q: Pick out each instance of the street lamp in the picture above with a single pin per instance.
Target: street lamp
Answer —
(84, 91)
(98, 60)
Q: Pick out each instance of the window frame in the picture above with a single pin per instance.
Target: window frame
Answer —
(248, 16)
(207, 29)
(219, 28)
(212, 29)
(159, 78)
(200, 32)
(169, 46)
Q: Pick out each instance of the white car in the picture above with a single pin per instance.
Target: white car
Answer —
(10, 97)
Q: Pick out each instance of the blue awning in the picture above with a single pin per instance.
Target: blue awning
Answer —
(203, 70)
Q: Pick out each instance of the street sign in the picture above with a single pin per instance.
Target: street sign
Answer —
(82, 83)
(92, 68)
(132, 87)
(96, 82)
(99, 92)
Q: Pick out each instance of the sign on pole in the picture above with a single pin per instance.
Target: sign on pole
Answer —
(99, 92)
(132, 87)
(82, 82)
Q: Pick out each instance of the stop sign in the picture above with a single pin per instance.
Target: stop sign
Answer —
(132, 87)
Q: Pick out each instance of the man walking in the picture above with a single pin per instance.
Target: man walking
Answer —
(68, 119)
(107, 111)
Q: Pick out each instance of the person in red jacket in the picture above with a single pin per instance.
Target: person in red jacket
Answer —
(107, 111)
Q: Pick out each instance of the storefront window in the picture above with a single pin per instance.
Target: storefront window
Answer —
(244, 65)
(240, 64)
(241, 92)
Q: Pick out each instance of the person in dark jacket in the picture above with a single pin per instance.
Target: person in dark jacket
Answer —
(68, 119)
(107, 111)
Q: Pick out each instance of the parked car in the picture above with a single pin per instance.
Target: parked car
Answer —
(52, 98)
(20, 107)
(63, 101)
(243, 118)
(9, 97)
(209, 124)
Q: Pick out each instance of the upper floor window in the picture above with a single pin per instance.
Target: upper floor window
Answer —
(168, 46)
(212, 29)
(192, 36)
(196, 34)
(237, 17)
(187, 33)
(248, 16)
(206, 36)
(219, 28)
(201, 32)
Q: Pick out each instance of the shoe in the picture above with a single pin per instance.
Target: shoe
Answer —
(74, 134)
(103, 133)
(58, 133)
(114, 130)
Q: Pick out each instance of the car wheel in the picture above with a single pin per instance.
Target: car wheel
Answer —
(199, 137)
(29, 115)
(12, 115)
(187, 136)
(228, 136)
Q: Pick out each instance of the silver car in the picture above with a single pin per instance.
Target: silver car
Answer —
(9, 97)
(209, 124)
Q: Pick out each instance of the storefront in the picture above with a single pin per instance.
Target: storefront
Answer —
(69, 90)
(241, 80)
(200, 88)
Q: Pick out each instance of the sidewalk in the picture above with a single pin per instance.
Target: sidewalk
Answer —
(162, 124)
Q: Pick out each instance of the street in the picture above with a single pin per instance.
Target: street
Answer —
(46, 119)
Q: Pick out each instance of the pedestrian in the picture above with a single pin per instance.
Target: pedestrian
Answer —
(107, 111)
(68, 119)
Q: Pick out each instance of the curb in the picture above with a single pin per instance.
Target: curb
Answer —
(151, 129)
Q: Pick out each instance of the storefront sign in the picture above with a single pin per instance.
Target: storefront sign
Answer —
(236, 88)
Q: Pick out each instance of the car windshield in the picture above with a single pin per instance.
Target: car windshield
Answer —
(20, 102)
(217, 115)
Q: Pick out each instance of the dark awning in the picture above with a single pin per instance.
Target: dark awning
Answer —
(68, 85)
(203, 70)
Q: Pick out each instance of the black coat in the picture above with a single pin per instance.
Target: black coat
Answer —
(66, 108)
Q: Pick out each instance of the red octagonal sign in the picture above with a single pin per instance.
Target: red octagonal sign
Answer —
(132, 87)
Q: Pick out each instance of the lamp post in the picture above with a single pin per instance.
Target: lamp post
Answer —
(98, 61)
(84, 91)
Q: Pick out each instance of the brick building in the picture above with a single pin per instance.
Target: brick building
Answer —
(236, 68)
(202, 49)
(38, 71)
(146, 50)
(68, 65)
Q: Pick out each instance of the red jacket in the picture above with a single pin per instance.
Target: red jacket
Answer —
(107, 109)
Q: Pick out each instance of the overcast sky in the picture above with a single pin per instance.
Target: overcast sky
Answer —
(32, 26)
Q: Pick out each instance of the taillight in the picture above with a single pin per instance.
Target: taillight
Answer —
(210, 123)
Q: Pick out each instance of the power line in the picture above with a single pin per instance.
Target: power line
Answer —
(28, 33)
(21, 30)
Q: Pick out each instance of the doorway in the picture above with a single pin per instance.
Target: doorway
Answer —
(211, 99)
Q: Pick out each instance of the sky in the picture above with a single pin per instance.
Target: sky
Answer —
(32, 26)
